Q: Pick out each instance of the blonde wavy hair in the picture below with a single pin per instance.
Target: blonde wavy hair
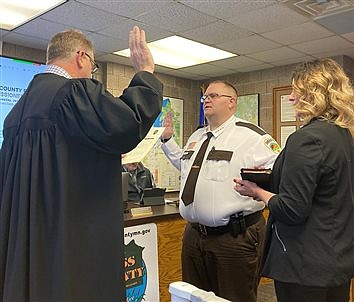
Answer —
(324, 92)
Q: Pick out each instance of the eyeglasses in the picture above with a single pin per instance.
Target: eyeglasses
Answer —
(95, 66)
(214, 96)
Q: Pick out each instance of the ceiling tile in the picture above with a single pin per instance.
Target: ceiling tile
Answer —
(216, 32)
(340, 23)
(80, 16)
(277, 54)
(251, 44)
(207, 70)
(349, 36)
(121, 31)
(25, 40)
(293, 60)
(176, 17)
(42, 28)
(177, 73)
(333, 43)
(270, 18)
(107, 44)
(131, 8)
(236, 62)
(256, 67)
(227, 9)
(298, 33)
(348, 51)
(3, 32)
(266, 33)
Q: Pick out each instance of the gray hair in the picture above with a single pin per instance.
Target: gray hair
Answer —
(66, 43)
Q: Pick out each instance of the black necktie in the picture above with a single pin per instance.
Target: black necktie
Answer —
(189, 186)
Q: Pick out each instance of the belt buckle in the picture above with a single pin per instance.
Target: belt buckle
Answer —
(202, 229)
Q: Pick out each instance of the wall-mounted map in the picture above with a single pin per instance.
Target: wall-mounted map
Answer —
(248, 108)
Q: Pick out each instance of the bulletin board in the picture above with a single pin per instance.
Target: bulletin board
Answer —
(284, 122)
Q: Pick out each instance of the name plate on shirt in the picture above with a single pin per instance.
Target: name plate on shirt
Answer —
(142, 211)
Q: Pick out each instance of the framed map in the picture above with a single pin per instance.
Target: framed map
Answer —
(166, 175)
(248, 108)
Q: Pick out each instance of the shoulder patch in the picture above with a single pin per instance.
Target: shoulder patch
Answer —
(271, 143)
(252, 127)
(191, 146)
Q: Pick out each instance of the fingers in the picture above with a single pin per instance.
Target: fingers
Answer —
(259, 167)
(140, 54)
(132, 39)
(238, 182)
(168, 119)
(142, 38)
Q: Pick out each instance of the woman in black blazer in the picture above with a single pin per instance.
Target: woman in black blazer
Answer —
(309, 249)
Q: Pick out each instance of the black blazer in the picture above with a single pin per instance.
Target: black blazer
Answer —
(310, 234)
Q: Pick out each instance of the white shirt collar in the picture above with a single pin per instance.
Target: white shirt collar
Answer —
(216, 132)
(58, 71)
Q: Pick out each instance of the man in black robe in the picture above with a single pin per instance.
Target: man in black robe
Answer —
(61, 217)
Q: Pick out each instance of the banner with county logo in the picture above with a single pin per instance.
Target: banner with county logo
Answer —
(141, 263)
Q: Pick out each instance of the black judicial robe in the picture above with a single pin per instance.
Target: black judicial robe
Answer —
(61, 220)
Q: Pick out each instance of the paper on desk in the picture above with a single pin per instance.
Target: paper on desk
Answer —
(170, 201)
(142, 149)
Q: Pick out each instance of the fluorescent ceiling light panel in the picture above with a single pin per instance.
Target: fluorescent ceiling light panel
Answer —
(14, 13)
(177, 52)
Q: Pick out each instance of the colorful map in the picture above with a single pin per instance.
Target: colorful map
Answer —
(166, 175)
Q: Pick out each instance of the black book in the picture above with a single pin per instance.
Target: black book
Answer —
(261, 177)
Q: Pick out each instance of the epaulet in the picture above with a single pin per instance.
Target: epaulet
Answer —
(252, 127)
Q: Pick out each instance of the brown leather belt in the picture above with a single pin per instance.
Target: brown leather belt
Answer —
(237, 225)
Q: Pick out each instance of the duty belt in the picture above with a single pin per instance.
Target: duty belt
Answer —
(237, 225)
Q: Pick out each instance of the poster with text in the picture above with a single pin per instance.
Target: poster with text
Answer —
(141, 263)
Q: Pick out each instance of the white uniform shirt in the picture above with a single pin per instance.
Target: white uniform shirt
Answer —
(215, 198)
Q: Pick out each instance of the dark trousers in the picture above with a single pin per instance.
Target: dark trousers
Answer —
(290, 292)
(227, 265)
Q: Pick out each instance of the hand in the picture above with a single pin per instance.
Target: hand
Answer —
(250, 189)
(140, 55)
(168, 124)
(246, 188)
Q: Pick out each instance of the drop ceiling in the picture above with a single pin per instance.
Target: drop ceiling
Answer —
(264, 33)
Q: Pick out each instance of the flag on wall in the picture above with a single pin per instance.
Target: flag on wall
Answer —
(202, 120)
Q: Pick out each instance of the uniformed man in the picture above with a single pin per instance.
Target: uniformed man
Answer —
(223, 240)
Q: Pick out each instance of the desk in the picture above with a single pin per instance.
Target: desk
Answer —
(170, 227)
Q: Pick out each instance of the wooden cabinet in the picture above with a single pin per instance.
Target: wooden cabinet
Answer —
(169, 236)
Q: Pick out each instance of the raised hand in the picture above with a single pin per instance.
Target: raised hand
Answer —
(140, 55)
(168, 124)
